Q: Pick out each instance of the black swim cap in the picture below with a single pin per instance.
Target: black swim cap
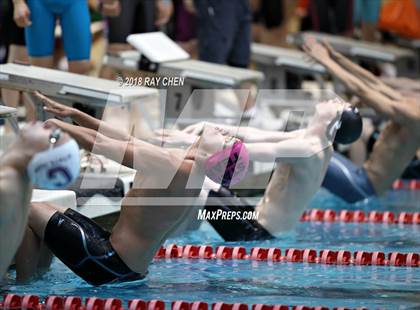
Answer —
(349, 127)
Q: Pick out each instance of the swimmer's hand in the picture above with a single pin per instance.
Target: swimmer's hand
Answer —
(53, 122)
(333, 53)
(196, 129)
(21, 13)
(315, 49)
(54, 107)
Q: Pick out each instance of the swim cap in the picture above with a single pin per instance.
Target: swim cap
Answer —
(230, 165)
(349, 127)
(55, 168)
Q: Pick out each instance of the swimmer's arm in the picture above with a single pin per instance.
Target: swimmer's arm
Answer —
(15, 193)
(255, 135)
(374, 99)
(95, 142)
(14, 189)
(290, 151)
(247, 134)
(14, 181)
(139, 155)
(80, 118)
(85, 120)
(364, 74)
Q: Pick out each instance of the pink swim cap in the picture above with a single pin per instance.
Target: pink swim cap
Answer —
(230, 165)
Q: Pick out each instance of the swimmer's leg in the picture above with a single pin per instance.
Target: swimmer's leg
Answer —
(77, 39)
(40, 36)
(79, 67)
(33, 257)
(46, 62)
(27, 256)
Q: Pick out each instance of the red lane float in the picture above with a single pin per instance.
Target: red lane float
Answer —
(309, 256)
(274, 254)
(378, 258)
(137, 304)
(12, 301)
(199, 305)
(180, 305)
(343, 257)
(326, 256)
(224, 252)
(406, 185)
(359, 216)
(259, 254)
(55, 303)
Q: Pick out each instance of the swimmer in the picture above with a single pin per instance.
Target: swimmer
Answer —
(398, 142)
(39, 20)
(101, 257)
(301, 159)
(25, 163)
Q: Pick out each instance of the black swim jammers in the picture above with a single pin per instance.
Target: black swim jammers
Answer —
(235, 229)
(84, 247)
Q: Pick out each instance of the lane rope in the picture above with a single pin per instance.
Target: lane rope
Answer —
(34, 302)
(326, 257)
(359, 216)
(406, 184)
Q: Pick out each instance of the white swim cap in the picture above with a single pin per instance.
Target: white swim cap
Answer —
(55, 168)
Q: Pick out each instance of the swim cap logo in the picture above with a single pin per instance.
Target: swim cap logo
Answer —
(228, 167)
(55, 168)
(60, 175)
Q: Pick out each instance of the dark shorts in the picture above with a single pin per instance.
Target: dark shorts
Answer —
(9, 31)
(137, 16)
(270, 13)
(234, 229)
(331, 16)
(84, 247)
(346, 180)
(224, 31)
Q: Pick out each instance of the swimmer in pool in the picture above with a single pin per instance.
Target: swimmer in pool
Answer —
(23, 164)
(301, 159)
(398, 141)
(99, 256)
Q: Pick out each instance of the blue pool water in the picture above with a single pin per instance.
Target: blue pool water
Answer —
(275, 283)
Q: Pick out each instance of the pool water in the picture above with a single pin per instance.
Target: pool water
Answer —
(253, 282)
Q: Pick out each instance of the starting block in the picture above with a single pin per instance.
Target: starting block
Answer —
(69, 87)
(276, 62)
(158, 54)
